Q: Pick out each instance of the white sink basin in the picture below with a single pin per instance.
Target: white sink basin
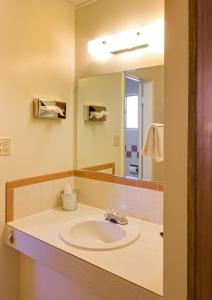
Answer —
(93, 232)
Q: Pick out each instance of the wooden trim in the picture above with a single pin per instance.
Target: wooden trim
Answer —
(9, 204)
(119, 180)
(203, 233)
(38, 179)
(200, 153)
(192, 149)
(101, 167)
(85, 174)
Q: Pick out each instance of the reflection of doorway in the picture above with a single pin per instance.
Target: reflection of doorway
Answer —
(137, 117)
(132, 128)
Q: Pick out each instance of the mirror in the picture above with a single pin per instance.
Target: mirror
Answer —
(114, 115)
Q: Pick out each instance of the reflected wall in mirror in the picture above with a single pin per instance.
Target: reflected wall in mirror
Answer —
(114, 115)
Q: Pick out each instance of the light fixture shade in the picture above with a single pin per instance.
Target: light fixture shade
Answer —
(139, 38)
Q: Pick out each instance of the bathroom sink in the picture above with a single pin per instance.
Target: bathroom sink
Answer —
(95, 233)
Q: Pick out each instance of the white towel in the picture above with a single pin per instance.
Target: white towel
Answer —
(153, 145)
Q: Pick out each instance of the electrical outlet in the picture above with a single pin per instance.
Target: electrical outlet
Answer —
(116, 140)
(5, 146)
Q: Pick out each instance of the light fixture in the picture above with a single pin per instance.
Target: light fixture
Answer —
(150, 36)
(125, 42)
(129, 49)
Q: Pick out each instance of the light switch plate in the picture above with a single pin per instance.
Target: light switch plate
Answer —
(5, 146)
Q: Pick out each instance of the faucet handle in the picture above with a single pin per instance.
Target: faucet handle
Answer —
(114, 216)
(111, 211)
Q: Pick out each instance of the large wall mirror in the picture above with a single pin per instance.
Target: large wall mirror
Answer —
(120, 119)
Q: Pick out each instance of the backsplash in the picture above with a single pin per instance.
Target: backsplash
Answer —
(30, 188)
(133, 201)
(38, 197)
(33, 195)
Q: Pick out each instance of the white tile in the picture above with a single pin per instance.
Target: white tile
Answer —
(50, 192)
(90, 191)
(48, 197)
(136, 202)
(34, 198)
(37, 197)
(21, 202)
(146, 204)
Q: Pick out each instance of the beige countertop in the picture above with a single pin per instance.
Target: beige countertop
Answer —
(140, 262)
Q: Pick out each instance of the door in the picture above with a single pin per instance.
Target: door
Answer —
(200, 153)
(138, 117)
(132, 127)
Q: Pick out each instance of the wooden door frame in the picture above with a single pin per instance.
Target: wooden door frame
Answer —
(200, 151)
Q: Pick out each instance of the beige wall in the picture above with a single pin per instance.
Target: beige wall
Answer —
(95, 139)
(176, 119)
(106, 17)
(37, 59)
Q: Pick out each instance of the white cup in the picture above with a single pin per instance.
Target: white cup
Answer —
(70, 199)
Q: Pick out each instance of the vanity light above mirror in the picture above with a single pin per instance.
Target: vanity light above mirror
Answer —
(138, 39)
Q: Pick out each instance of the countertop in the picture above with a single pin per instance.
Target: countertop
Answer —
(140, 262)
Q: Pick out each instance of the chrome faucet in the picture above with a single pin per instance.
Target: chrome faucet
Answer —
(114, 217)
